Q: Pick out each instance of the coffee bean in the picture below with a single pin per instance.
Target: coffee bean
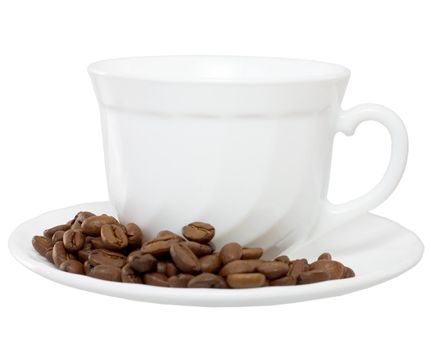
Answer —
(134, 234)
(200, 232)
(48, 256)
(296, 267)
(246, 280)
(184, 258)
(166, 268)
(129, 275)
(106, 257)
(313, 276)
(93, 224)
(283, 281)
(166, 235)
(50, 232)
(96, 242)
(41, 244)
(240, 266)
(171, 269)
(199, 249)
(73, 240)
(76, 225)
(207, 280)
(156, 279)
(87, 267)
(114, 236)
(210, 263)
(57, 237)
(106, 272)
(230, 252)
(158, 247)
(72, 266)
(282, 258)
(179, 281)
(81, 216)
(251, 253)
(83, 254)
(59, 254)
(273, 269)
(348, 272)
(334, 268)
(325, 256)
(142, 262)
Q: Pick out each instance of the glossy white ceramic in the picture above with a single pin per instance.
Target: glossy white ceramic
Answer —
(244, 143)
(376, 248)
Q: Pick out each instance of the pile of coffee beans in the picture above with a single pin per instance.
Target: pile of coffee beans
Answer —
(99, 246)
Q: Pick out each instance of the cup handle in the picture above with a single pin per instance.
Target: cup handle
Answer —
(335, 215)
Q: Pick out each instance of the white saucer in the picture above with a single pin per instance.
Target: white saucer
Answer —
(376, 248)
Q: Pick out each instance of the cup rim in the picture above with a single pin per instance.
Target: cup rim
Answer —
(218, 69)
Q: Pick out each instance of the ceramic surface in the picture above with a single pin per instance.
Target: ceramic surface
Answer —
(376, 248)
(244, 143)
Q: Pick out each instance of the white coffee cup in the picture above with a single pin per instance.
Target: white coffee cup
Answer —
(243, 143)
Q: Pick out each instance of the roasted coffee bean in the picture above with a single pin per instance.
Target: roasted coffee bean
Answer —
(158, 247)
(179, 281)
(240, 266)
(156, 279)
(41, 244)
(50, 232)
(348, 272)
(313, 276)
(96, 242)
(114, 236)
(207, 280)
(106, 257)
(246, 280)
(251, 253)
(334, 268)
(273, 269)
(59, 254)
(166, 268)
(57, 237)
(76, 225)
(210, 263)
(106, 272)
(81, 216)
(83, 254)
(184, 258)
(166, 235)
(283, 281)
(72, 266)
(325, 256)
(282, 258)
(87, 267)
(129, 275)
(200, 232)
(48, 256)
(134, 234)
(230, 252)
(296, 267)
(73, 240)
(199, 249)
(92, 225)
(71, 256)
(142, 262)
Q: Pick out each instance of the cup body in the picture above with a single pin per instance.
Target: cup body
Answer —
(242, 143)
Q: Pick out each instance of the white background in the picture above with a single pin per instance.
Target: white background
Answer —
(51, 157)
